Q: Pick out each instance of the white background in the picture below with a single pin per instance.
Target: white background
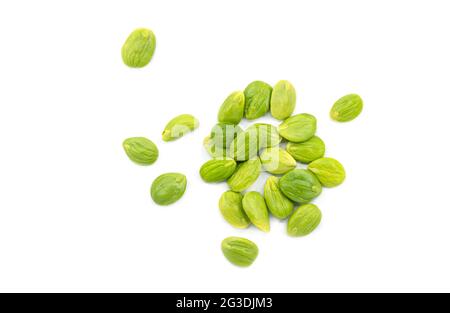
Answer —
(76, 214)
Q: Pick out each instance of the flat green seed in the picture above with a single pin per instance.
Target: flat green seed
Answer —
(329, 171)
(217, 170)
(298, 128)
(224, 134)
(300, 186)
(267, 135)
(139, 48)
(282, 103)
(278, 204)
(256, 209)
(232, 109)
(230, 205)
(304, 220)
(240, 251)
(248, 144)
(308, 151)
(213, 150)
(179, 126)
(347, 108)
(245, 175)
(277, 161)
(244, 146)
(141, 150)
(257, 99)
(168, 188)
